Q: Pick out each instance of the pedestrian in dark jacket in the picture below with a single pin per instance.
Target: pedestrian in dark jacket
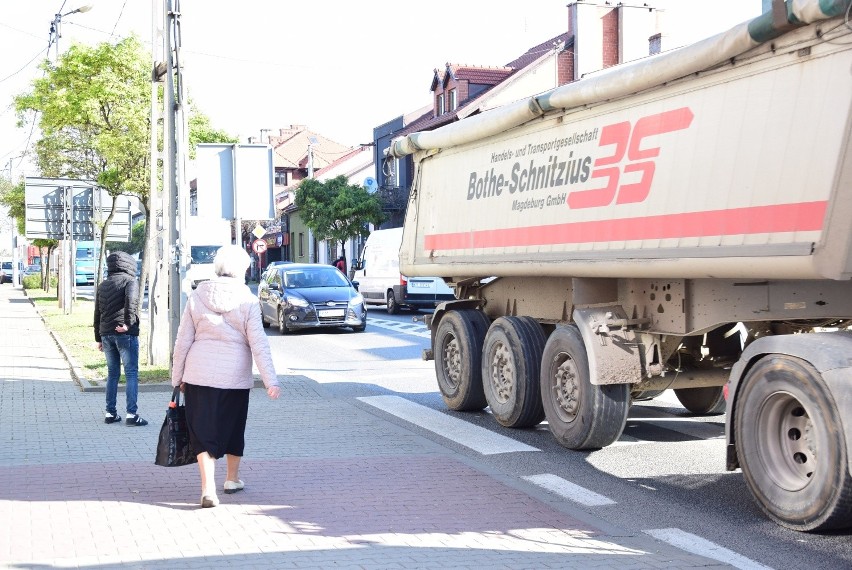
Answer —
(117, 334)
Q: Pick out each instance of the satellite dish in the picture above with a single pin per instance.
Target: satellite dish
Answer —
(370, 184)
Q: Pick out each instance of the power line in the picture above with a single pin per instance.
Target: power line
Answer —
(19, 31)
(26, 64)
(118, 19)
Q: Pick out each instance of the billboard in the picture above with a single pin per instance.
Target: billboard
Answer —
(235, 181)
(64, 208)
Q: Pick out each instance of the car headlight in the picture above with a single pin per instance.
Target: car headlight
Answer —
(356, 300)
(297, 301)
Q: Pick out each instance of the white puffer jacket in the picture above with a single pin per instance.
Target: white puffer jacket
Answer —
(219, 332)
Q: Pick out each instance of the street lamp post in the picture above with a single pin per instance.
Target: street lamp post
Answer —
(311, 249)
(67, 283)
(56, 24)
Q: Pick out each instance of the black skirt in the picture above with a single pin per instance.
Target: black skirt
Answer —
(216, 419)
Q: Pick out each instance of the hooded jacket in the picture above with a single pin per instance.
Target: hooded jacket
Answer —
(118, 295)
(219, 333)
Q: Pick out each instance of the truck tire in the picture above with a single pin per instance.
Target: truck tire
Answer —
(511, 371)
(645, 395)
(393, 307)
(708, 401)
(580, 415)
(458, 356)
(793, 455)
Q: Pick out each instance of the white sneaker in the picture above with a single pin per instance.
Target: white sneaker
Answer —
(234, 486)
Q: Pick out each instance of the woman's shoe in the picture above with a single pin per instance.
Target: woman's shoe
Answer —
(208, 501)
(234, 486)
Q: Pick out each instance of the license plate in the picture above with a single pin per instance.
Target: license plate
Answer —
(330, 312)
(416, 285)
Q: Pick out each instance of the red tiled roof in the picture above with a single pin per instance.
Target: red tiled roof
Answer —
(536, 52)
(480, 75)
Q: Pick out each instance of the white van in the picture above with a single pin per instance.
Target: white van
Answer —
(380, 283)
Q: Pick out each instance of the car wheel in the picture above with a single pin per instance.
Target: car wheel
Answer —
(393, 307)
(263, 319)
(282, 325)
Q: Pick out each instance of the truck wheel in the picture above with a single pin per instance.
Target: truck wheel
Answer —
(282, 324)
(393, 307)
(791, 447)
(645, 395)
(580, 415)
(458, 356)
(708, 401)
(511, 368)
(263, 319)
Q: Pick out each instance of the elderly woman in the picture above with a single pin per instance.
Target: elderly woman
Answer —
(219, 333)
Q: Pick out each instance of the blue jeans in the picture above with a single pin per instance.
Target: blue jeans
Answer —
(121, 349)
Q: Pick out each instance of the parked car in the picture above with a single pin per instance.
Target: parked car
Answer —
(6, 271)
(380, 282)
(30, 270)
(299, 296)
(269, 271)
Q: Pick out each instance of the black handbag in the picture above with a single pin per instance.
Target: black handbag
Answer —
(173, 448)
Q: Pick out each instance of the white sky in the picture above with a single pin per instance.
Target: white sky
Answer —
(338, 66)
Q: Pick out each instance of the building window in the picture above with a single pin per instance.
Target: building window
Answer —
(454, 103)
(301, 244)
(280, 177)
(440, 104)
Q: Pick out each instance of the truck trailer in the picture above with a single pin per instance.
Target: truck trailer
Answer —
(681, 222)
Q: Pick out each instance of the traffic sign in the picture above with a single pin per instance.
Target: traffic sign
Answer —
(259, 246)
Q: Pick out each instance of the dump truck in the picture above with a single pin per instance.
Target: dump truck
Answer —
(684, 222)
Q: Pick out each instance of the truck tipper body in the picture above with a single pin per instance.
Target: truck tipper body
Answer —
(683, 221)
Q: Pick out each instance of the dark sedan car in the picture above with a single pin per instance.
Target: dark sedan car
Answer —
(306, 296)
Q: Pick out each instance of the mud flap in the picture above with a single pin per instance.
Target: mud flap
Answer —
(614, 355)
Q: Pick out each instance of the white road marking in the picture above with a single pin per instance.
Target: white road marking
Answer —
(415, 329)
(569, 490)
(703, 547)
(479, 439)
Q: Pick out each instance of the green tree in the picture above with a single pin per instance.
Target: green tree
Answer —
(92, 107)
(336, 210)
(201, 131)
(136, 243)
(13, 198)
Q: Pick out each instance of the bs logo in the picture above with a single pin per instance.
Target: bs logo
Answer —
(627, 141)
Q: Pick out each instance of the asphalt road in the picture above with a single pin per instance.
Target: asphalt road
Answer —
(666, 472)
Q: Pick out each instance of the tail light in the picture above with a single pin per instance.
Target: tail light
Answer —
(403, 281)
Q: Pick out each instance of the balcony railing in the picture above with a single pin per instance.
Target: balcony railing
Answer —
(393, 199)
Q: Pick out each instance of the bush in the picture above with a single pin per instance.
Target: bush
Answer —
(34, 281)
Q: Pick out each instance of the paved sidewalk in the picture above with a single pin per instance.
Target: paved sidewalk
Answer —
(328, 484)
